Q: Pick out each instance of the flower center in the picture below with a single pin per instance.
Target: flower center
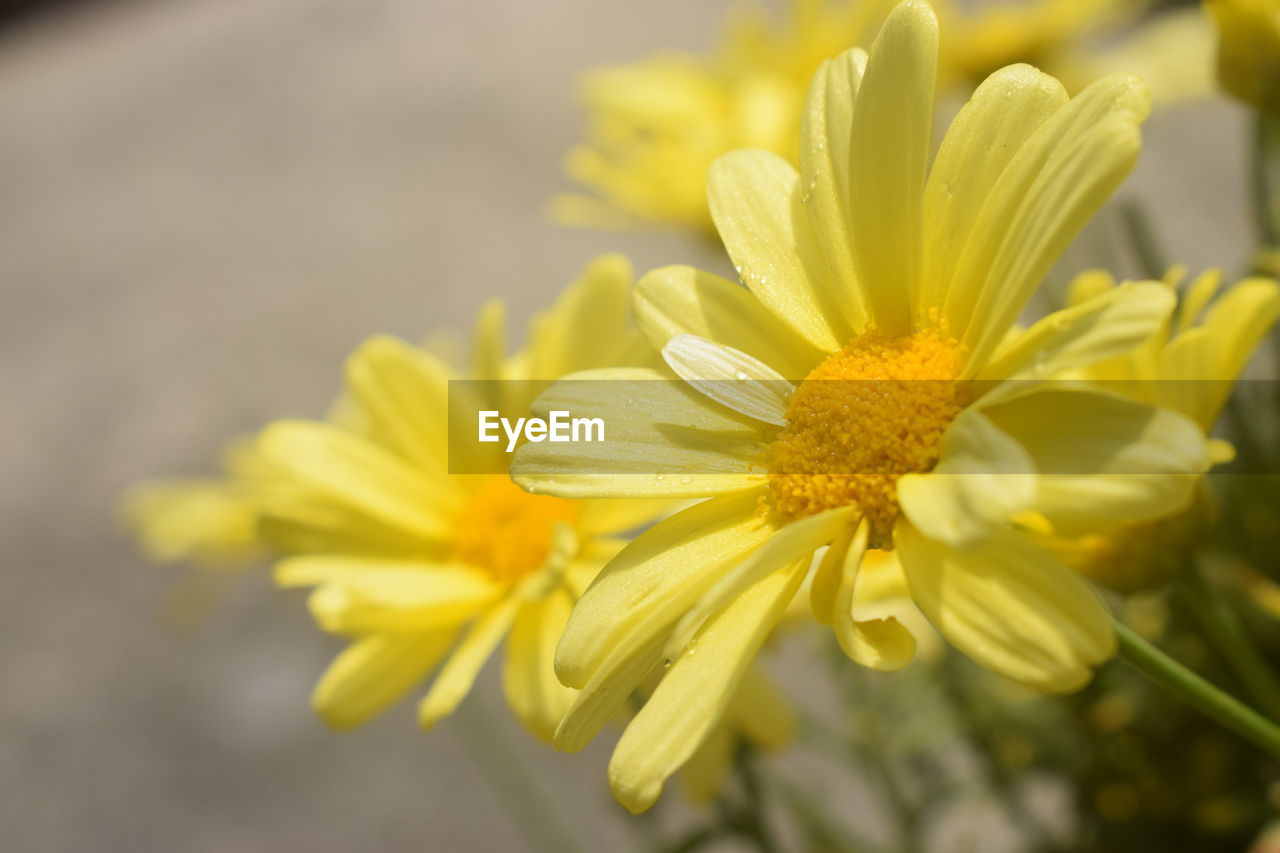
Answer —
(864, 417)
(508, 531)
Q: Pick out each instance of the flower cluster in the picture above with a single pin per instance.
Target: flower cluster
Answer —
(862, 432)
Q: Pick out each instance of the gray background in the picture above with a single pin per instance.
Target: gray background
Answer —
(204, 204)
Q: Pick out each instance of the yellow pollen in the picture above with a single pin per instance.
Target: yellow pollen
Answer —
(864, 417)
(508, 531)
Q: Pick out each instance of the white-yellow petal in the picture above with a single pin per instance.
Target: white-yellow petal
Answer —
(730, 377)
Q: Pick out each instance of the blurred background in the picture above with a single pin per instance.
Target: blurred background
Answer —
(204, 205)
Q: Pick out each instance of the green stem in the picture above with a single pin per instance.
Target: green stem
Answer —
(1142, 240)
(1228, 635)
(751, 822)
(1266, 146)
(1196, 691)
(526, 803)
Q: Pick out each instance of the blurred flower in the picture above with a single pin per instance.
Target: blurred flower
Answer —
(1189, 365)
(423, 569)
(210, 521)
(655, 126)
(860, 270)
(1249, 50)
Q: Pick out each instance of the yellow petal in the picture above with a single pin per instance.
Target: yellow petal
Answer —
(603, 695)
(677, 300)
(489, 341)
(983, 479)
(1104, 460)
(1010, 606)
(883, 643)
(402, 391)
(889, 152)
(1052, 186)
(754, 197)
(400, 602)
(662, 438)
(589, 326)
(360, 475)
(988, 131)
(1109, 324)
(824, 170)
(795, 542)
(459, 672)
(693, 695)
(373, 673)
(528, 674)
(650, 585)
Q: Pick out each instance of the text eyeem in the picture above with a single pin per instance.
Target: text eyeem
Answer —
(558, 426)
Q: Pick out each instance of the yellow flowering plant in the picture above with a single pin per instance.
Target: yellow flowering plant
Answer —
(866, 434)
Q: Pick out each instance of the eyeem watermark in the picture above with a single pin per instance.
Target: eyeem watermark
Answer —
(558, 426)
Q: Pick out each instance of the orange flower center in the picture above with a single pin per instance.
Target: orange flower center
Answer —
(864, 417)
(508, 531)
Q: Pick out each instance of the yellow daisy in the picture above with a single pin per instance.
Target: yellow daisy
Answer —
(422, 569)
(655, 126)
(1190, 364)
(866, 389)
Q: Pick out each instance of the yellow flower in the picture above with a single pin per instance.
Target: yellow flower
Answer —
(210, 521)
(1249, 50)
(420, 568)
(1078, 40)
(876, 327)
(1190, 364)
(655, 126)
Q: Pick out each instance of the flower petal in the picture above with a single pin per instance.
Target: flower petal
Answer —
(654, 580)
(677, 300)
(1103, 459)
(1055, 182)
(824, 171)
(692, 696)
(528, 673)
(730, 377)
(984, 136)
(360, 475)
(883, 643)
(1012, 607)
(1107, 325)
(984, 478)
(794, 542)
(453, 682)
(889, 153)
(373, 673)
(754, 198)
(662, 439)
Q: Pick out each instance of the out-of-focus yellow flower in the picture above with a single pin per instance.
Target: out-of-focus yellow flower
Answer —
(211, 522)
(874, 325)
(1249, 50)
(1078, 41)
(655, 126)
(1190, 365)
(422, 569)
